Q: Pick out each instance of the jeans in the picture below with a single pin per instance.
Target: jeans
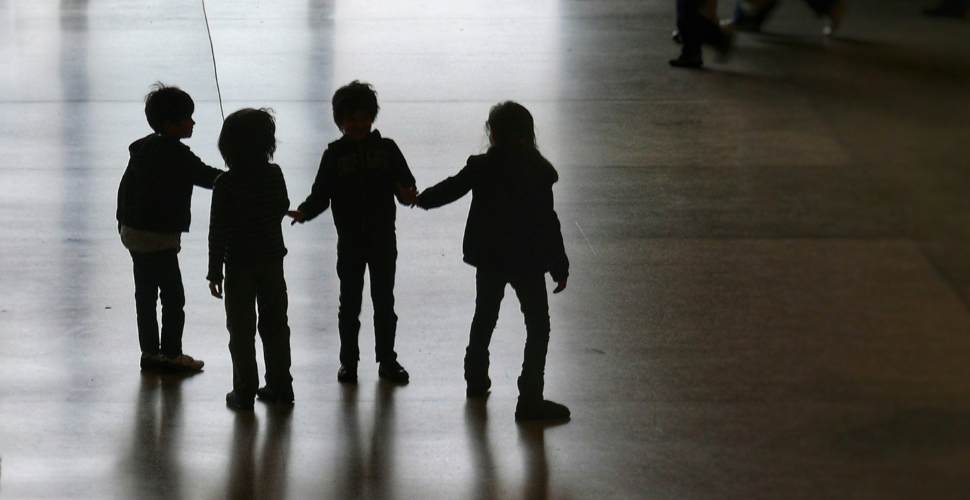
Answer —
(695, 28)
(157, 274)
(378, 255)
(248, 288)
(752, 13)
(531, 291)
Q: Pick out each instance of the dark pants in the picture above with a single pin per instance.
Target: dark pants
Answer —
(379, 257)
(758, 10)
(531, 291)
(248, 288)
(696, 29)
(157, 273)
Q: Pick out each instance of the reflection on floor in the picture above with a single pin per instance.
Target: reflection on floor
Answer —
(770, 257)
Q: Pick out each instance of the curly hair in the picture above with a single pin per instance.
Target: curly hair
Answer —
(355, 96)
(248, 137)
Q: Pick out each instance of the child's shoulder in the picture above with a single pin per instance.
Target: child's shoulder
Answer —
(158, 146)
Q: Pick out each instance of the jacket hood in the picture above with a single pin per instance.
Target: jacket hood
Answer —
(149, 145)
(526, 159)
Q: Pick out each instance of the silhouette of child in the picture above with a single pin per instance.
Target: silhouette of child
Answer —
(359, 175)
(249, 203)
(513, 237)
(154, 209)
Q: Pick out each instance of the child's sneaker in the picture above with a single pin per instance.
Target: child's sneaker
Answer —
(270, 396)
(236, 403)
(393, 371)
(152, 362)
(540, 410)
(183, 363)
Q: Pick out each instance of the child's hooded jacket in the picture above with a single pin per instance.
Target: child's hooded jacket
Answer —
(156, 190)
(512, 225)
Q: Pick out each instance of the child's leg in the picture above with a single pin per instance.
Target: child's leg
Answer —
(350, 270)
(382, 267)
(146, 300)
(240, 298)
(531, 290)
(490, 289)
(274, 331)
(172, 294)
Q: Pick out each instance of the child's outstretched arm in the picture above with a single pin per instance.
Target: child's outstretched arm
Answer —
(451, 188)
(407, 196)
(319, 199)
(407, 191)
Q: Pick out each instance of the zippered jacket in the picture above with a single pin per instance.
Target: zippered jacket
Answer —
(358, 181)
(156, 189)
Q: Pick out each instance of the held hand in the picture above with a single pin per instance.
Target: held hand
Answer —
(409, 196)
(296, 215)
(215, 287)
(560, 287)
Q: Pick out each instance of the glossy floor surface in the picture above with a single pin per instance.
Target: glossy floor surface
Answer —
(770, 257)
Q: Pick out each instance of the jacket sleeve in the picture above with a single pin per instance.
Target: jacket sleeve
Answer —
(555, 248)
(200, 174)
(322, 190)
(400, 170)
(123, 198)
(218, 230)
(449, 189)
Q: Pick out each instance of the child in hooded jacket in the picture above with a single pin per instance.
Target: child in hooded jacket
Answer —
(512, 237)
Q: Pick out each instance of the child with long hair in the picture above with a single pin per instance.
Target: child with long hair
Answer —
(245, 235)
(513, 237)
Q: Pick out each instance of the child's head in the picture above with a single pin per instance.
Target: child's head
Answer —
(355, 109)
(169, 110)
(509, 123)
(248, 137)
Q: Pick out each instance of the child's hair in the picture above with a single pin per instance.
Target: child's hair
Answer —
(167, 104)
(248, 137)
(355, 96)
(510, 124)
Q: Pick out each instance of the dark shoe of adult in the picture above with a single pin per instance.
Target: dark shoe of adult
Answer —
(347, 374)
(151, 362)
(394, 372)
(270, 396)
(676, 38)
(236, 403)
(835, 14)
(527, 411)
(478, 388)
(183, 363)
(687, 61)
(947, 8)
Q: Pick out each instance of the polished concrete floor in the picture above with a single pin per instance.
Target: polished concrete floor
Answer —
(770, 257)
